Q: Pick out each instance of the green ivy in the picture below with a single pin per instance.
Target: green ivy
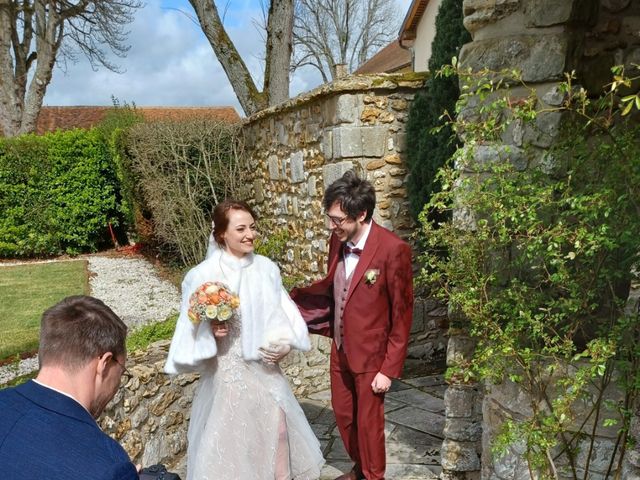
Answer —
(538, 258)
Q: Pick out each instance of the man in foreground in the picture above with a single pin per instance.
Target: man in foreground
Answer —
(47, 425)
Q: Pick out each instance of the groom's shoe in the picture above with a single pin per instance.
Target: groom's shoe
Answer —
(354, 474)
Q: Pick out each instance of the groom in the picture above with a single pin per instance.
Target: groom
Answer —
(365, 304)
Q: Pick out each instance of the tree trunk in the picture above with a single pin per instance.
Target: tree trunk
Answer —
(278, 53)
(49, 34)
(243, 85)
(10, 104)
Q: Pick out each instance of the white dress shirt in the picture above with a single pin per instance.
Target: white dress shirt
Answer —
(351, 259)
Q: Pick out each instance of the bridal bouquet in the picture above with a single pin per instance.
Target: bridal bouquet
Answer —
(212, 301)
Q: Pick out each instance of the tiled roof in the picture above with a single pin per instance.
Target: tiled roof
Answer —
(66, 118)
(391, 58)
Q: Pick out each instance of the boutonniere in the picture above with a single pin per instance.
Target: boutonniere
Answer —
(370, 276)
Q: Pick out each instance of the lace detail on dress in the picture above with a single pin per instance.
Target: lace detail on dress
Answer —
(233, 431)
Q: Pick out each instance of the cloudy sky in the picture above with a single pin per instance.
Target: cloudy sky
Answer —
(170, 62)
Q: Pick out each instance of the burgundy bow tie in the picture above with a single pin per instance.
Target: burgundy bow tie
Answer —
(348, 250)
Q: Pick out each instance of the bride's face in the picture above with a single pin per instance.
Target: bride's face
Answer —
(240, 233)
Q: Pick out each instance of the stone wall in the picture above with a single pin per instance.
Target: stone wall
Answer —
(298, 148)
(543, 39)
(150, 413)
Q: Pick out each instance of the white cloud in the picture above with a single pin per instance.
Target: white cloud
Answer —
(171, 63)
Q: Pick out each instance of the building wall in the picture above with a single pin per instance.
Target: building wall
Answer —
(425, 33)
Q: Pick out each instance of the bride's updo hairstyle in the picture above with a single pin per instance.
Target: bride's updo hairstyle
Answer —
(221, 217)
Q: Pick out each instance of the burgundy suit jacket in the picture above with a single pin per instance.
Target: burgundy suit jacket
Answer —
(377, 316)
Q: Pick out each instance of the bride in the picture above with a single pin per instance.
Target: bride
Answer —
(245, 422)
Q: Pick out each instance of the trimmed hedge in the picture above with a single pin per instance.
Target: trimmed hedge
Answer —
(58, 194)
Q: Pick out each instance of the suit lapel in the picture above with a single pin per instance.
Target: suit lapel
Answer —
(369, 251)
(335, 252)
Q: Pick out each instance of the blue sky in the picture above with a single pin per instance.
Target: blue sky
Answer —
(170, 62)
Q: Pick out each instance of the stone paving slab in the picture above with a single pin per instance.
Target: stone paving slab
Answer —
(414, 412)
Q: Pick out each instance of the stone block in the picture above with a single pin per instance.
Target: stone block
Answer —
(401, 142)
(506, 397)
(388, 117)
(312, 186)
(460, 401)
(342, 109)
(296, 163)
(462, 429)
(459, 456)
(399, 104)
(376, 164)
(459, 350)
(274, 167)
(539, 57)
(480, 13)
(554, 96)
(483, 157)
(373, 141)
(541, 134)
(311, 132)
(283, 134)
(393, 159)
(284, 204)
(333, 171)
(326, 145)
(258, 191)
(545, 13)
(378, 101)
(603, 451)
(347, 142)
(370, 114)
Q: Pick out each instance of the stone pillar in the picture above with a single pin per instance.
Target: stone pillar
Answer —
(543, 39)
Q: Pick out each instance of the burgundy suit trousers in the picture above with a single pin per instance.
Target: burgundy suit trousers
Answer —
(359, 414)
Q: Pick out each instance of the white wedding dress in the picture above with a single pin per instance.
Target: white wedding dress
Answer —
(241, 401)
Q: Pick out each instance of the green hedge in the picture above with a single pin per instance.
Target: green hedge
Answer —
(58, 194)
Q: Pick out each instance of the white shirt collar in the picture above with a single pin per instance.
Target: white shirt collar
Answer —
(363, 239)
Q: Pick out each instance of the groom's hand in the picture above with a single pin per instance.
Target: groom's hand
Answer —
(274, 352)
(381, 383)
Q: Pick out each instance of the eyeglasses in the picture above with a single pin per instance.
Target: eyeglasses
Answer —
(125, 370)
(337, 221)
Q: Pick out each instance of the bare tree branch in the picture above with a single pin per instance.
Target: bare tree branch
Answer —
(35, 34)
(341, 31)
(279, 26)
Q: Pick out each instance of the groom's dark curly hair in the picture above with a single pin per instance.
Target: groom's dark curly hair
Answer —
(354, 194)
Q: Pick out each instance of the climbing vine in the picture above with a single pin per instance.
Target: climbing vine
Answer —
(539, 256)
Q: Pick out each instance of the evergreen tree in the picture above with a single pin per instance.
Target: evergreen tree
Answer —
(427, 151)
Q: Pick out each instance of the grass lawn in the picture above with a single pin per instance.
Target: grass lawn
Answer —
(28, 290)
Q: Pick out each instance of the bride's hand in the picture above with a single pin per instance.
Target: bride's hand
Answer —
(274, 352)
(219, 329)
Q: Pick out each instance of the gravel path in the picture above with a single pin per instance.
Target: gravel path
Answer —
(131, 287)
